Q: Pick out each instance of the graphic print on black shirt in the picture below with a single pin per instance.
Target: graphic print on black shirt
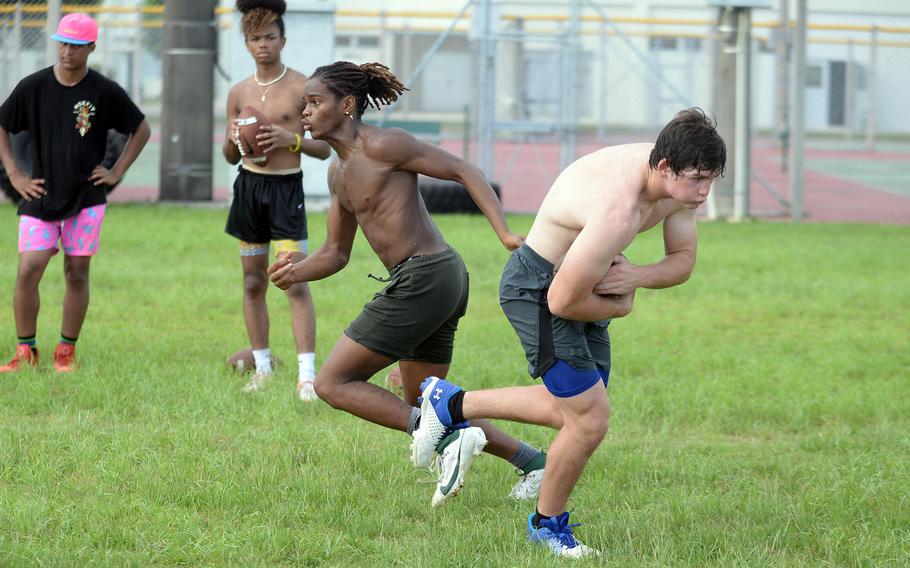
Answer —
(84, 112)
(68, 127)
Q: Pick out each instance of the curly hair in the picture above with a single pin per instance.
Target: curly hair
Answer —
(260, 14)
(690, 140)
(370, 84)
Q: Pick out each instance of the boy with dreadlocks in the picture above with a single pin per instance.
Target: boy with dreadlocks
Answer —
(413, 319)
(268, 199)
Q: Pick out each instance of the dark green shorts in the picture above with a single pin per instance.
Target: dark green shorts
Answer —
(415, 316)
(523, 291)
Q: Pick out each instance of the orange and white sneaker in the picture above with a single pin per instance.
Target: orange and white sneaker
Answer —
(306, 390)
(25, 355)
(257, 382)
(65, 358)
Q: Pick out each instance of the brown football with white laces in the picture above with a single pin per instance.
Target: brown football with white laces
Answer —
(250, 121)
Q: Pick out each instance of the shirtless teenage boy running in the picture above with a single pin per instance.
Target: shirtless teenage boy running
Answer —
(560, 289)
(413, 319)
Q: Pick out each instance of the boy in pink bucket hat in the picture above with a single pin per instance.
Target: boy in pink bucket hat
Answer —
(67, 109)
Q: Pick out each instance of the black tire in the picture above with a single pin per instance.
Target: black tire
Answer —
(115, 144)
(22, 152)
(448, 196)
(7, 187)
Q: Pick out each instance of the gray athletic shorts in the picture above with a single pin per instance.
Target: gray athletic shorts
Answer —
(415, 316)
(545, 337)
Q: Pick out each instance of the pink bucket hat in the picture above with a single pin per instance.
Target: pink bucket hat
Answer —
(77, 28)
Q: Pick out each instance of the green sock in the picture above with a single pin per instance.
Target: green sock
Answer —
(537, 462)
(527, 458)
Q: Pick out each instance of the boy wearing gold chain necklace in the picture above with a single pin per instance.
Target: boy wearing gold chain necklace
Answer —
(268, 200)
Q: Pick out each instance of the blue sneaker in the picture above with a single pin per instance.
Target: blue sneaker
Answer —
(435, 420)
(556, 534)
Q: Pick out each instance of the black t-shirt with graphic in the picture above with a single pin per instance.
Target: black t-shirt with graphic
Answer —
(68, 127)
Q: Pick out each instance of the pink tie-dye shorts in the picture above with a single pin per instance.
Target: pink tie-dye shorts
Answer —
(78, 235)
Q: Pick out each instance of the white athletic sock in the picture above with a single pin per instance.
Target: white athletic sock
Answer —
(263, 360)
(306, 364)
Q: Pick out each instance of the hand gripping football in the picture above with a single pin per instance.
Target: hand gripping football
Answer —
(250, 120)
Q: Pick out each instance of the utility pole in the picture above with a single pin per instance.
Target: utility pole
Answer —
(486, 31)
(725, 106)
(798, 116)
(733, 66)
(782, 116)
(53, 18)
(187, 120)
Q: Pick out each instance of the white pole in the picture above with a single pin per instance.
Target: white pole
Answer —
(53, 18)
(798, 116)
(17, 42)
(872, 90)
(136, 75)
(849, 92)
(782, 117)
(486, 111)
(741, 145)
(602, 103)
(569, 144)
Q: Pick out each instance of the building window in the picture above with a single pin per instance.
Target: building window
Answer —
(344, 40)
(813, 75)
(860, 77)
(664, 43)
(691, 44)
(671, 43)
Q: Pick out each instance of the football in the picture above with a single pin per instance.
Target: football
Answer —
(243, 362)
(250, 120)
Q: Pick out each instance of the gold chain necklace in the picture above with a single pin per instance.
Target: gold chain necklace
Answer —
(268, 84)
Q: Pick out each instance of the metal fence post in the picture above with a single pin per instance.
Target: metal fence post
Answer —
(17, 42)
(602, 103)
(798, 116)
(568, 148)
(486, 109)
(782, 116)
(872, 90)
(850, 93)
(742, 114)
(136, 74)
(53, 17)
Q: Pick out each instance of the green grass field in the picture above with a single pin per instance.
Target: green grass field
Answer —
(761, 414)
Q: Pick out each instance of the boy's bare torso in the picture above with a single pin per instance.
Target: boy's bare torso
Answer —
(610, 181)
(382, 199)
(283, 106)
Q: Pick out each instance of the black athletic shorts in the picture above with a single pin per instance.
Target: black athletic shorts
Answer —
(267, 208)
(415, 316)
(546, 338)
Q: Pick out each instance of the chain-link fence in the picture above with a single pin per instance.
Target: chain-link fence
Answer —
(563, 83)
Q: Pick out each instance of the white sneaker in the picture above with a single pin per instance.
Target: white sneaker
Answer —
(455, 461)
(528, 486)
(435, 421)
(257, 382)
(306, 390)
